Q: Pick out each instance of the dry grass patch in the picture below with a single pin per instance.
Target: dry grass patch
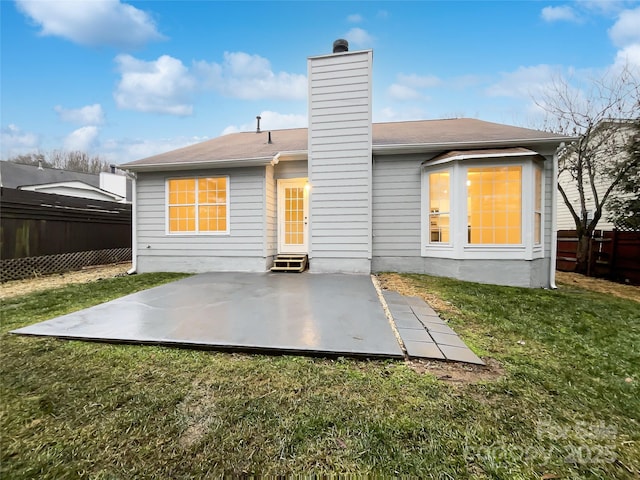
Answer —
(458, 373)
(25, 286)
(620, 290)
(404, 286)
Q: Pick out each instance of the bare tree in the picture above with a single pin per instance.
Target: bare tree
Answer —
(76, 161)
(597, 162)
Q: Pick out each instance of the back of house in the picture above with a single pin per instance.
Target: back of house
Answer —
(462, 198)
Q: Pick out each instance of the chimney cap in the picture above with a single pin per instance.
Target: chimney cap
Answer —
(340, 45)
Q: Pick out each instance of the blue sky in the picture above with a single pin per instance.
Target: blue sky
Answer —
(130, 79)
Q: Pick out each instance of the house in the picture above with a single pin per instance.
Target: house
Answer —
(105, 186)
(460, 198)
(606, 143)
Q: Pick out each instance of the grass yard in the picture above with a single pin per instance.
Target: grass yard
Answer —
(566, 406)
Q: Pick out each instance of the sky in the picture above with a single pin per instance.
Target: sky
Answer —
(129, 79)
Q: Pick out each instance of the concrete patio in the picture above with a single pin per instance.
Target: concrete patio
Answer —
(325, 314)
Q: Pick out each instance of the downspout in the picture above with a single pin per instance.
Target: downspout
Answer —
(134, 223)
(554, 220)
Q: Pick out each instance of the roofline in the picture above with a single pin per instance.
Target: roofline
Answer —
(430, 147)
(287, 155)
(230, 162)
(455, 158)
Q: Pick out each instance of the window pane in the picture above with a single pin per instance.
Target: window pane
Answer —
(494, 205)
(182, 191)
(182, 219)
(212, 190)
(439, 207)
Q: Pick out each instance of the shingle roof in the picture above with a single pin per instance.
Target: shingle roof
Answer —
(14, 175)
(250, 145)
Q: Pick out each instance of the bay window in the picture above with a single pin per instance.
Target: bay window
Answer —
(483, 207)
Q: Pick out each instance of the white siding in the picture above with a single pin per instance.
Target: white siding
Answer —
(291, 169)
(565, 220)
(242, 249)
(396, 206)
(340, 161)
(270, 218)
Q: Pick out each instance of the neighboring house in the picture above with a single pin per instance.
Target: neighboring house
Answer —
(612, 147)
(460, 198)
(105, 186)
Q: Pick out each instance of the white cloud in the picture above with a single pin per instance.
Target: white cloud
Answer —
(626, 30)
(389, 114)
(404, 93)
(87, 115)
(126, 150)
(354, 18)
(523, 82)
(560, 13)
(14, 141)
(629, 57)
(408, 87)
(83, 139)
(250, 77)
(92, 23)
(270, 121)
(359, 37)
(417, 81)
(160, 86)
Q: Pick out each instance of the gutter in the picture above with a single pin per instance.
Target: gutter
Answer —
(425, 147)
(134, 222)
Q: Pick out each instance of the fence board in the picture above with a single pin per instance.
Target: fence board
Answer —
(35, 224)
(614, 255)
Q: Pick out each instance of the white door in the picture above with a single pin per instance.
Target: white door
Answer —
(293, 216)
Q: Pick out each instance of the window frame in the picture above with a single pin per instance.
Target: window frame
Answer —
(459, 246)
(197, 204)
(430, 213)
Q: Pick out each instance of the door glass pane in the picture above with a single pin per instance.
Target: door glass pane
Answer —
(294, 216)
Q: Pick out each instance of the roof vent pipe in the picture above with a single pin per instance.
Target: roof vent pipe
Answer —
(269, 138)
(340, 45)
(258, 127)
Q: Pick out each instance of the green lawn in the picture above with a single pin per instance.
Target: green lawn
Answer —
(564, 405)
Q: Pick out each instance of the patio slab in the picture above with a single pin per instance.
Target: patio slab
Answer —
(296, 313)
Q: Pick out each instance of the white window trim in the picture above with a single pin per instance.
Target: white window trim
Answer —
(459, 248)
(538, 248)
(196, 233)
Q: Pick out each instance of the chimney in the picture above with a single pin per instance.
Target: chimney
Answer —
(339, 142)
(340, 46)
(40, 165)
(258, 127)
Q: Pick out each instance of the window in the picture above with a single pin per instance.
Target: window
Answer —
(439, 207)
(198, 205)
(494, 205)
(483, 208)
(537, 207)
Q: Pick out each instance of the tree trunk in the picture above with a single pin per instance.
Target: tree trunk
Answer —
(582, 254)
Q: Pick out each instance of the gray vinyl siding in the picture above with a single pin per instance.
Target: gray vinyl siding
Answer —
(246, 238)
(291, 169)
(396, 206)
(340, 161)
(270, 218)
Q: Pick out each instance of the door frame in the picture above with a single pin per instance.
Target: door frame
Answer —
(280, 215)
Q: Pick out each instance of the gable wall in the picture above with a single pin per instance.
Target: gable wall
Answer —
(241, 250)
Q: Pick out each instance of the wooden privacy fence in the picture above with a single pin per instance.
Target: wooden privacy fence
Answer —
(614, 255)
(46, 233)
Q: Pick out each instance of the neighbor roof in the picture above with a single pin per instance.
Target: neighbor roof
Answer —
(443, 134)
(14, 175)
